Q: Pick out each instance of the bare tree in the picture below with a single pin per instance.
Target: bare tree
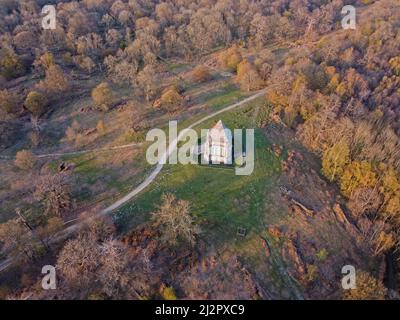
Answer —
(56, 80)
(247, 76)
(8, 102)
(174, 220)
(25, 160)
(106, 266)
(148, 82)
(54, 192)
(103, 96)
(365, 201)
(113, 274)
(79, 260)
(377, 235)
(18, 239)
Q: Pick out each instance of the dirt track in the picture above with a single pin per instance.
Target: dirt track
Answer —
(4, 264)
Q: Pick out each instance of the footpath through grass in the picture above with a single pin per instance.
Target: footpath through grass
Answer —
(220, 200)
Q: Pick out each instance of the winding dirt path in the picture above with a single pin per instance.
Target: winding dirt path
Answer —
(6, 263)
(171, 148)
(75, 153)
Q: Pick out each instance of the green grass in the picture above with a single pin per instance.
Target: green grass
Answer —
(88, 172)
(84, 166)
(223, 97)
(215, 101)
(175, 67)
(220, 200)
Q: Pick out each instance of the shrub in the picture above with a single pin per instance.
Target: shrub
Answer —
(36, 103)
(45, 61)
(170, 99)
(368, 288)
(229, 59)
(8, 101)
(56, 81)
(168, 293)
(25, 160)
(201, 74)
(103, 96)
(395, 65)
(11, 66)
(322, 254)
(247, 76)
